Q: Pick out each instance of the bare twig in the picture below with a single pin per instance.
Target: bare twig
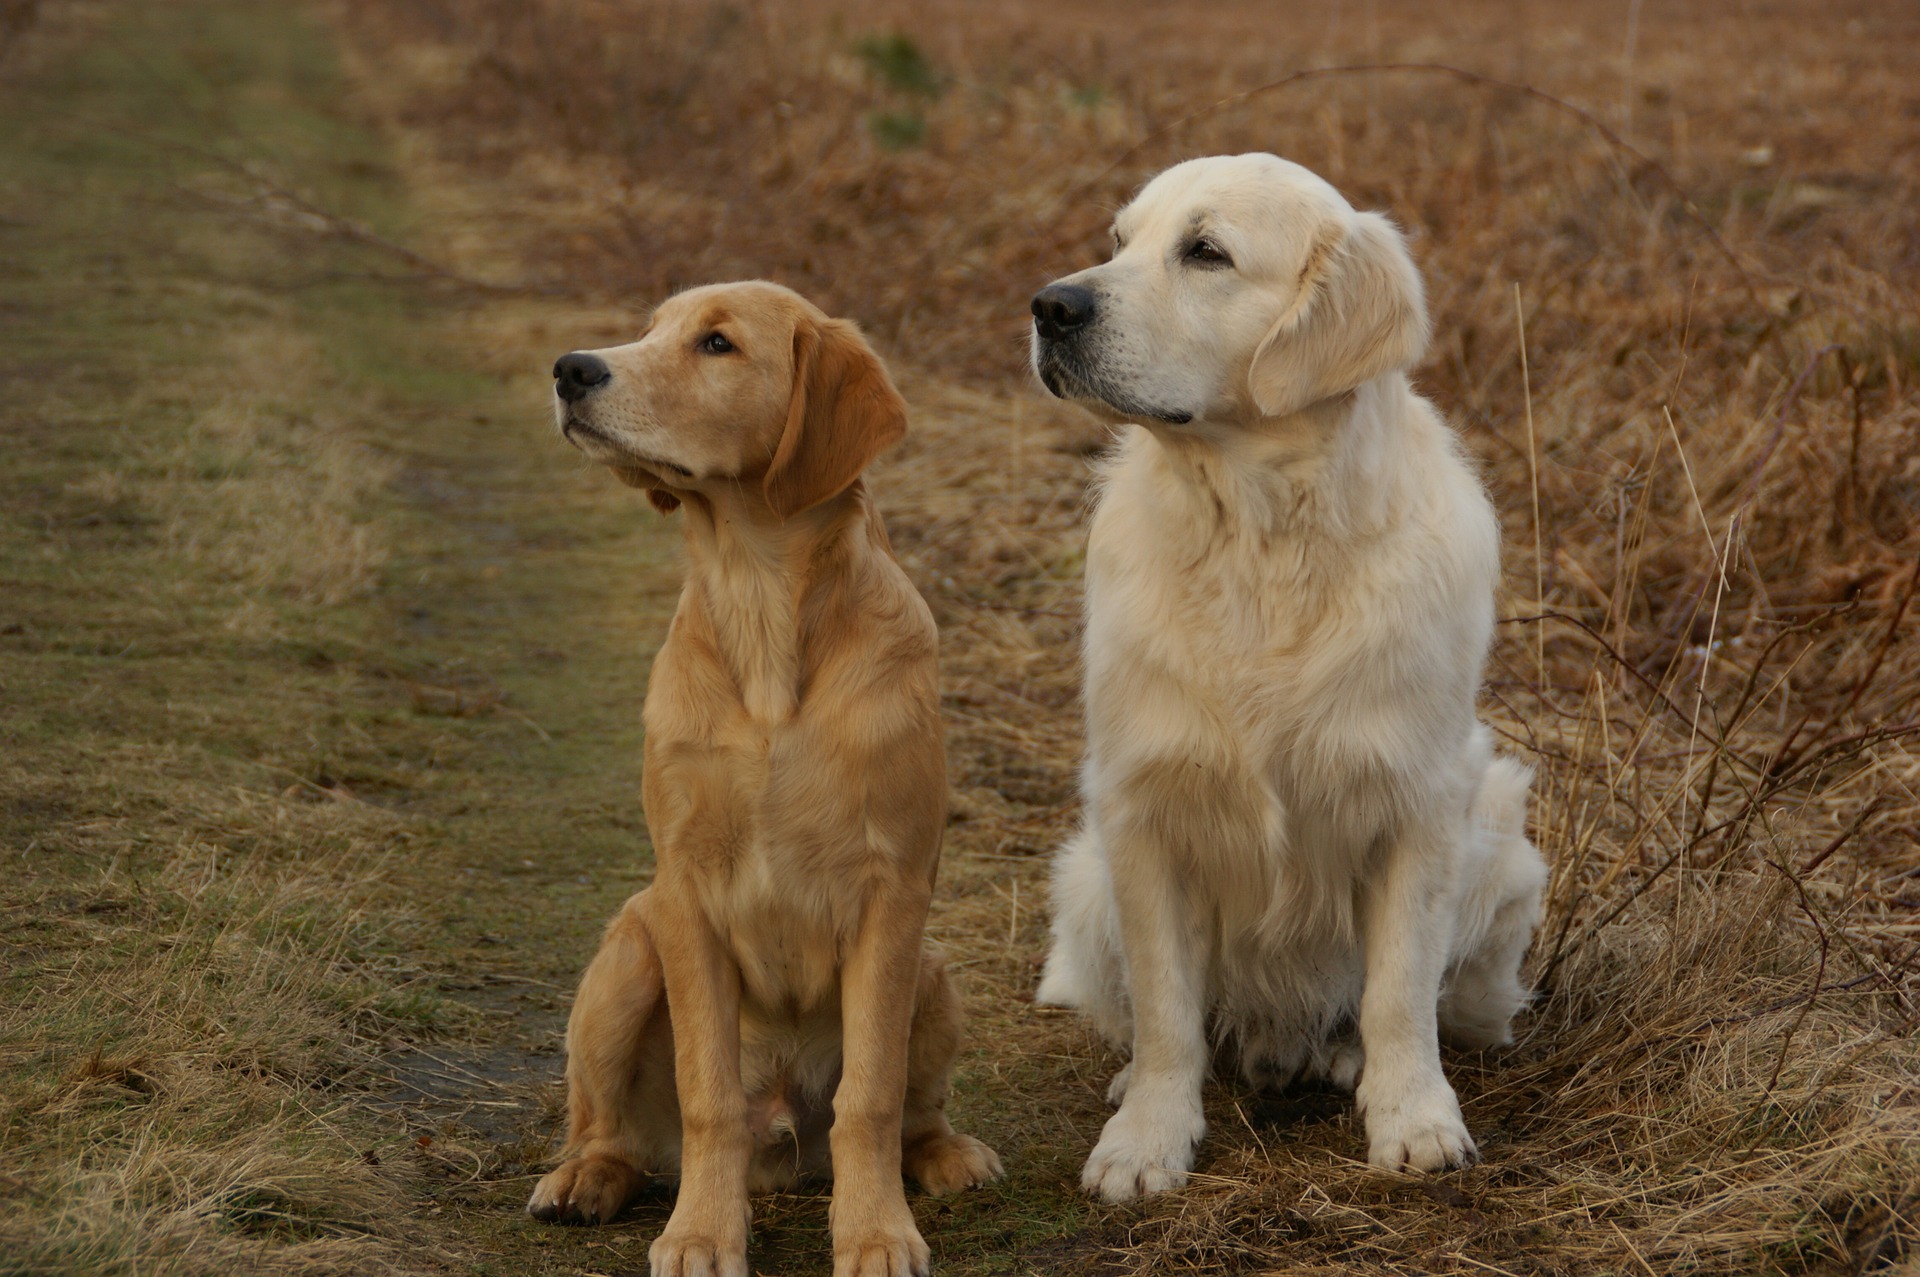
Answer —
(1787, 757)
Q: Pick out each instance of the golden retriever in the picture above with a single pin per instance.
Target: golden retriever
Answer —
(1297, 838)
(767, 1009)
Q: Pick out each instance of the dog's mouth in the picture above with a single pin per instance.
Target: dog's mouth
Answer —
(574, 428)
(1067, 378)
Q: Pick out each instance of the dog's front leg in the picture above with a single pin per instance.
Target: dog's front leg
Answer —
(707, 1233)
(1413, 1118)
(1148, 1145)
(873, 1231)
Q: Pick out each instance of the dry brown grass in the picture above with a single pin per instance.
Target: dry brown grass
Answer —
(1708, 649)
(214, 995)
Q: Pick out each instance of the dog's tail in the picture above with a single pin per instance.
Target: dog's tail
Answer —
(1497, 912)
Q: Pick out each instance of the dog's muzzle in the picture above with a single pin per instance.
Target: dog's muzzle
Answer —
(1064, 364)
(1061, 312)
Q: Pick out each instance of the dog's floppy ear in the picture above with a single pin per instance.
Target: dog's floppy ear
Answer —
(844, 413)
(1359, 313)
(636, 477)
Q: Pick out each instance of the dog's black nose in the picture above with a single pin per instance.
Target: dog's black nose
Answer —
(575, 376)
(1060, 309)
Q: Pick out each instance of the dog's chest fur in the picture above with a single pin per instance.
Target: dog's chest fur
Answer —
(1287, 609)
(759, 790)
(1303, 604)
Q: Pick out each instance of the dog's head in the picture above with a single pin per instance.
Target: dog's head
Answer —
(743, 388)
(1240, 287)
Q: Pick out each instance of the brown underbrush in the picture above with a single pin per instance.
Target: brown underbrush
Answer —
(1674, 265)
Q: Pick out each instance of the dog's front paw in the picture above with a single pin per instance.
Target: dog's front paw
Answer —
(1417, 1129)
(1144, 1149)
(691, 1252)
(892, 1250)
(948, 1163)
(584, 1190)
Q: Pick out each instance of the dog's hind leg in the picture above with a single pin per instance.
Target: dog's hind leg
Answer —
(1085, 971)
(621, 1115)
(1499, 909)
(938, 1158)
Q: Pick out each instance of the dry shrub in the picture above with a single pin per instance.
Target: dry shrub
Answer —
(1688, 364)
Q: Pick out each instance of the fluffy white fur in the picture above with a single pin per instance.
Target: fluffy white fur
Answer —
(1299, 844)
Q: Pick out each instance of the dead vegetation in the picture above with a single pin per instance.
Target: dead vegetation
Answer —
(195, 985)
(1681, 332)
(212, 994)
(1687, 359)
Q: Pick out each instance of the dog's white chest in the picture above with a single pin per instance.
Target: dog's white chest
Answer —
(1338, 674)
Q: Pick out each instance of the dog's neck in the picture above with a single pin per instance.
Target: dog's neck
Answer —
(754, 577)
(1328, 470)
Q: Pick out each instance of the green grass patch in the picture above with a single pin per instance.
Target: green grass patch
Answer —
(897, 130)
(901, 64)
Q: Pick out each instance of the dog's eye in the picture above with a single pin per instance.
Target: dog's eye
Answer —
(1206, 251)
(715, 344)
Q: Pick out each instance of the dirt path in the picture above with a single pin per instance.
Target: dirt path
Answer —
(320, 684)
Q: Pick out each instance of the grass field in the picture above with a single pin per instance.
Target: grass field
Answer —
(321, 658)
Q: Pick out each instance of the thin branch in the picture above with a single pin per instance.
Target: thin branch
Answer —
(1786, 758)
(1659, 693)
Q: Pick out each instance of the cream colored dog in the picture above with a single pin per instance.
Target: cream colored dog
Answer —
(1297, 836)
(768, 1001)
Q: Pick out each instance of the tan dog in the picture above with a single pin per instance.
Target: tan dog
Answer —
(795, 788)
